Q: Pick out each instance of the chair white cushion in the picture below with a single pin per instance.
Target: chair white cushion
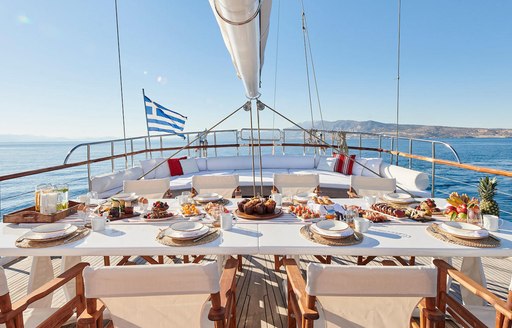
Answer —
(268, 176)
(154, 296)
(291, 184)
(148, 188)
(326, 164)
(223, 185)
(365, 186)
(374, 165)
(372, 296)
(162, 171)
(189, 166)
(328, 179)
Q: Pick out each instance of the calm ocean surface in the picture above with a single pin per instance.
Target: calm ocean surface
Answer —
(17, 157)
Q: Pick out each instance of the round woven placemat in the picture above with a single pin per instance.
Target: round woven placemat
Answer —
(332, 242)
(488, 242)
(168, 241)
(81, 233)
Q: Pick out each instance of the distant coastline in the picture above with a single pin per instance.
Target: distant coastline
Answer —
(411, 130)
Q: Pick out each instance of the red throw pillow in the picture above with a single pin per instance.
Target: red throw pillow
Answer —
(344, 164)
(175, 166)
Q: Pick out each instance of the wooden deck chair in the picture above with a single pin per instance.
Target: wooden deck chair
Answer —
(292, 184)
(370, 186)
(19, 315)
(181, 295)
(497, 314)
(224, 185)
(151, 188)
(355, 296)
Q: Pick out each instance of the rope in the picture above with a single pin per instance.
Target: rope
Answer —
(398, 75)
(121, 85)
(304, 33)
(275, 72)
(230, 22)
(313, 71)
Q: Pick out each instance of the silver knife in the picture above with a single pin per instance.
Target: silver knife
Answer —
(204, 236)
(70, 239)
(494, 237)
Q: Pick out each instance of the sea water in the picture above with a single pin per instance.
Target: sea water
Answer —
(18, 157)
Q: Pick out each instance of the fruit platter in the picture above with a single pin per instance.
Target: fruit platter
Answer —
(158, 212)
(303, 212)
(257, 208)
(461, 207)
(322, 200)
(188, 210)
(117, 209)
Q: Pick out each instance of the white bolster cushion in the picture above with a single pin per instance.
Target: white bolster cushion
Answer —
(132, 173)
(107, 181)
(405, 177)
(162, 171)
(144, 280)
(353, 280)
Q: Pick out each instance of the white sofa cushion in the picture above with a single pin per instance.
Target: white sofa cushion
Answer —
(189, 166)
(405, 177)
(287, 162)
(372, 164)
(182, 182)
(201, 163)
(359, 166)
(230, 163)
(161, 172)
(326, 163)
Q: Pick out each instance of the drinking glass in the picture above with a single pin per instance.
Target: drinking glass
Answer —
(40, 188)
(63, 196)
(475, 217)
(187, 195)
(350, 215)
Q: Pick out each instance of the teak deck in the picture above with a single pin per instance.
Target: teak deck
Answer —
(261, 299)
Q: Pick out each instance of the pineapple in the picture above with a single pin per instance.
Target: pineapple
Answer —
(487, 190)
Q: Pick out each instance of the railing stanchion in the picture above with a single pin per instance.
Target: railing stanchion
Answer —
(410, 152)
(432, 193)
(237, 143)
(111, 154)
(360, 145)
(188, 150)
(392, 147)
(89, 167)
(215, 142)
(380, 146)
(131, 147)
(161, 146)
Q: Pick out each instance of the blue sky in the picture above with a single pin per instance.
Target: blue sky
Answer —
(58, 64)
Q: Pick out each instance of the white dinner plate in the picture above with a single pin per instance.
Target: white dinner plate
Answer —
(125, 196)
(208, 197)
(304, 197)
(464, 230)
(186, 226)
(51, 227)
(399, 197)
(332, 234)
(33, 235)
(186, 235)
(331, 225)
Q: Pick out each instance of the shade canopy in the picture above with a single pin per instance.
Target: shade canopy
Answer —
(244, 25)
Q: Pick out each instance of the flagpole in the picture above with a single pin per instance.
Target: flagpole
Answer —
(147, 124)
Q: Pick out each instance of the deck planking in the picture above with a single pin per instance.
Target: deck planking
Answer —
(261, 300)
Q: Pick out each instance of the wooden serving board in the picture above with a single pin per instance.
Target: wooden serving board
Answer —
(29, 215)
(243, 215)
(124, 216)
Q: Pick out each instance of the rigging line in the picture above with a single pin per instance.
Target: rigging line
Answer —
(275, 72)
(320, 141)
(121, 85)
(398, 73)
(314, 74)
(304, 33)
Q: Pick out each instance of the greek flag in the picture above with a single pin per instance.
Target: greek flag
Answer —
(161, 119)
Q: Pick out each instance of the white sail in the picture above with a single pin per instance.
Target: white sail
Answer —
(244, 25)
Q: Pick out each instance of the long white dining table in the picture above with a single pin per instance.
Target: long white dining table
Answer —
(279, 236)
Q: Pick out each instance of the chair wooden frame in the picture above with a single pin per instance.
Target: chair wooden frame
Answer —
(12, 314)
(447, 304)
(302, 310)
(222, 312)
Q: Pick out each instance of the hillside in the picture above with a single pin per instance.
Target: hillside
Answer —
(412, 130)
